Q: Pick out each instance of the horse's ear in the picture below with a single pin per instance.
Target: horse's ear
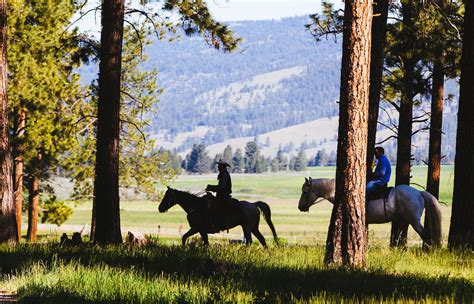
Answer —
(168, 187)
(310, 179)
(306, 180)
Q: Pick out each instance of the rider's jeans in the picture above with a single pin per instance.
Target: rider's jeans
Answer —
(372, 187)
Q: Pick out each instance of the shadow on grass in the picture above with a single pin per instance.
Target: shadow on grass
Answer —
(269, 283)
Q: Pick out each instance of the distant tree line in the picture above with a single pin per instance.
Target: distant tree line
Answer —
(250, 160)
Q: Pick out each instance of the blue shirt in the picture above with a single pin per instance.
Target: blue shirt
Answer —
(383, 170)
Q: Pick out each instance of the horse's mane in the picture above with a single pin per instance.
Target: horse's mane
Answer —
(189, 196)
(326, 186)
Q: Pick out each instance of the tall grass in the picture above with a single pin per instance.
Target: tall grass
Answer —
(223, 273)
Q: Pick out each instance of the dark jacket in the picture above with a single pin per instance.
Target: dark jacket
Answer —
(224, 187)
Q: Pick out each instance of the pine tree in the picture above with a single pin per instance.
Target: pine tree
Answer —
(379, 37)
(251, 156)
(461, 230)
(300, 161)
(238, 162)
(45, 93)
(141, 165)
(321, 158)
(106, 215)
(275, 165)
(8, 226)
(282, 160)
(227, 154)
(195, 18)
(260, 164)
(346, 242)
(442, 55)
(199, 162)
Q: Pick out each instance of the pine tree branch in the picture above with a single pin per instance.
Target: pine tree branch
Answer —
(95, 9)
(136, 126)
(394, 130)
(386, 139)
(139, 38)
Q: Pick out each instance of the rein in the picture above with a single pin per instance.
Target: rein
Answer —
(200, 193)
(321, 198)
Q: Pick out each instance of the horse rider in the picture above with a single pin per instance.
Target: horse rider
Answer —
(379, 179)
(223, 190)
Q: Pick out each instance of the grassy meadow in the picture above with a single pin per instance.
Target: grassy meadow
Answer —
(280, 190)
(294, 271)
(164, 273)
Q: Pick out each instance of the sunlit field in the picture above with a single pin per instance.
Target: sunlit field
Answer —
(280, 190)
(291, 271)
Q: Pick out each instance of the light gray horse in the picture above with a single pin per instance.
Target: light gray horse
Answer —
(403, 201)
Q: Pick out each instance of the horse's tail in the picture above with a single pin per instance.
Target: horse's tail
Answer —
(267, 215)
(432, 219)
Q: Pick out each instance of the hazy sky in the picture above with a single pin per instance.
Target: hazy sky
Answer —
(233, 10)
(226, 10)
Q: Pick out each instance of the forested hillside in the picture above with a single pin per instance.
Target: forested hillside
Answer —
(280, 77)
(197, 81)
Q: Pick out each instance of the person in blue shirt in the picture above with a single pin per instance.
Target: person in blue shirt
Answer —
(379, 179)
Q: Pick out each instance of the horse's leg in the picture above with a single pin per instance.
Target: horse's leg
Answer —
(259, 237)
(247, 235)
(188, 234)
(420, 230)
(204, 237)
(398, 234)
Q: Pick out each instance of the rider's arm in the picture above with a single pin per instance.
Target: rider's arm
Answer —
(213, 188)
(381, 169)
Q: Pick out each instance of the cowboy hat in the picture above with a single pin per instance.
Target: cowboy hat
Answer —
(223, 163)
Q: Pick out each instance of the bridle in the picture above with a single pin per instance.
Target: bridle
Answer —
(171, 201)
(315, 194)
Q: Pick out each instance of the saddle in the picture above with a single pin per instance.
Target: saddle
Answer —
(217, 213)
(382, 193)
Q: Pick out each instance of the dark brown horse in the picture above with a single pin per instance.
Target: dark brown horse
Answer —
(242, 213)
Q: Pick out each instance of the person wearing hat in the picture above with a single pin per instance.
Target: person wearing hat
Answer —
(223, 189)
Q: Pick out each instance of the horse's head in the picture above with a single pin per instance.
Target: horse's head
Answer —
(168, 201)
(308, 196)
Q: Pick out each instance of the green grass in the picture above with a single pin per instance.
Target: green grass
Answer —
(230, 273)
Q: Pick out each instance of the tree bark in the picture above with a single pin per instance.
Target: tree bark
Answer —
(8, 225)
(379, 37)
(347, 239)
(106, 183)
(19, 127)
(461, 231)
(399, 230)
(436, 128)
(33, 201)
(405, 121)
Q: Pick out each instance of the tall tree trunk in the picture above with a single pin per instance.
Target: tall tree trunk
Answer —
(33, 203)
(379, 37)
(33, 200)
(461, 231)
(436, 127)
(347, 239)
(399, 230)
(93, 223)
(8, 226)
(106, 183)
(19, 126)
